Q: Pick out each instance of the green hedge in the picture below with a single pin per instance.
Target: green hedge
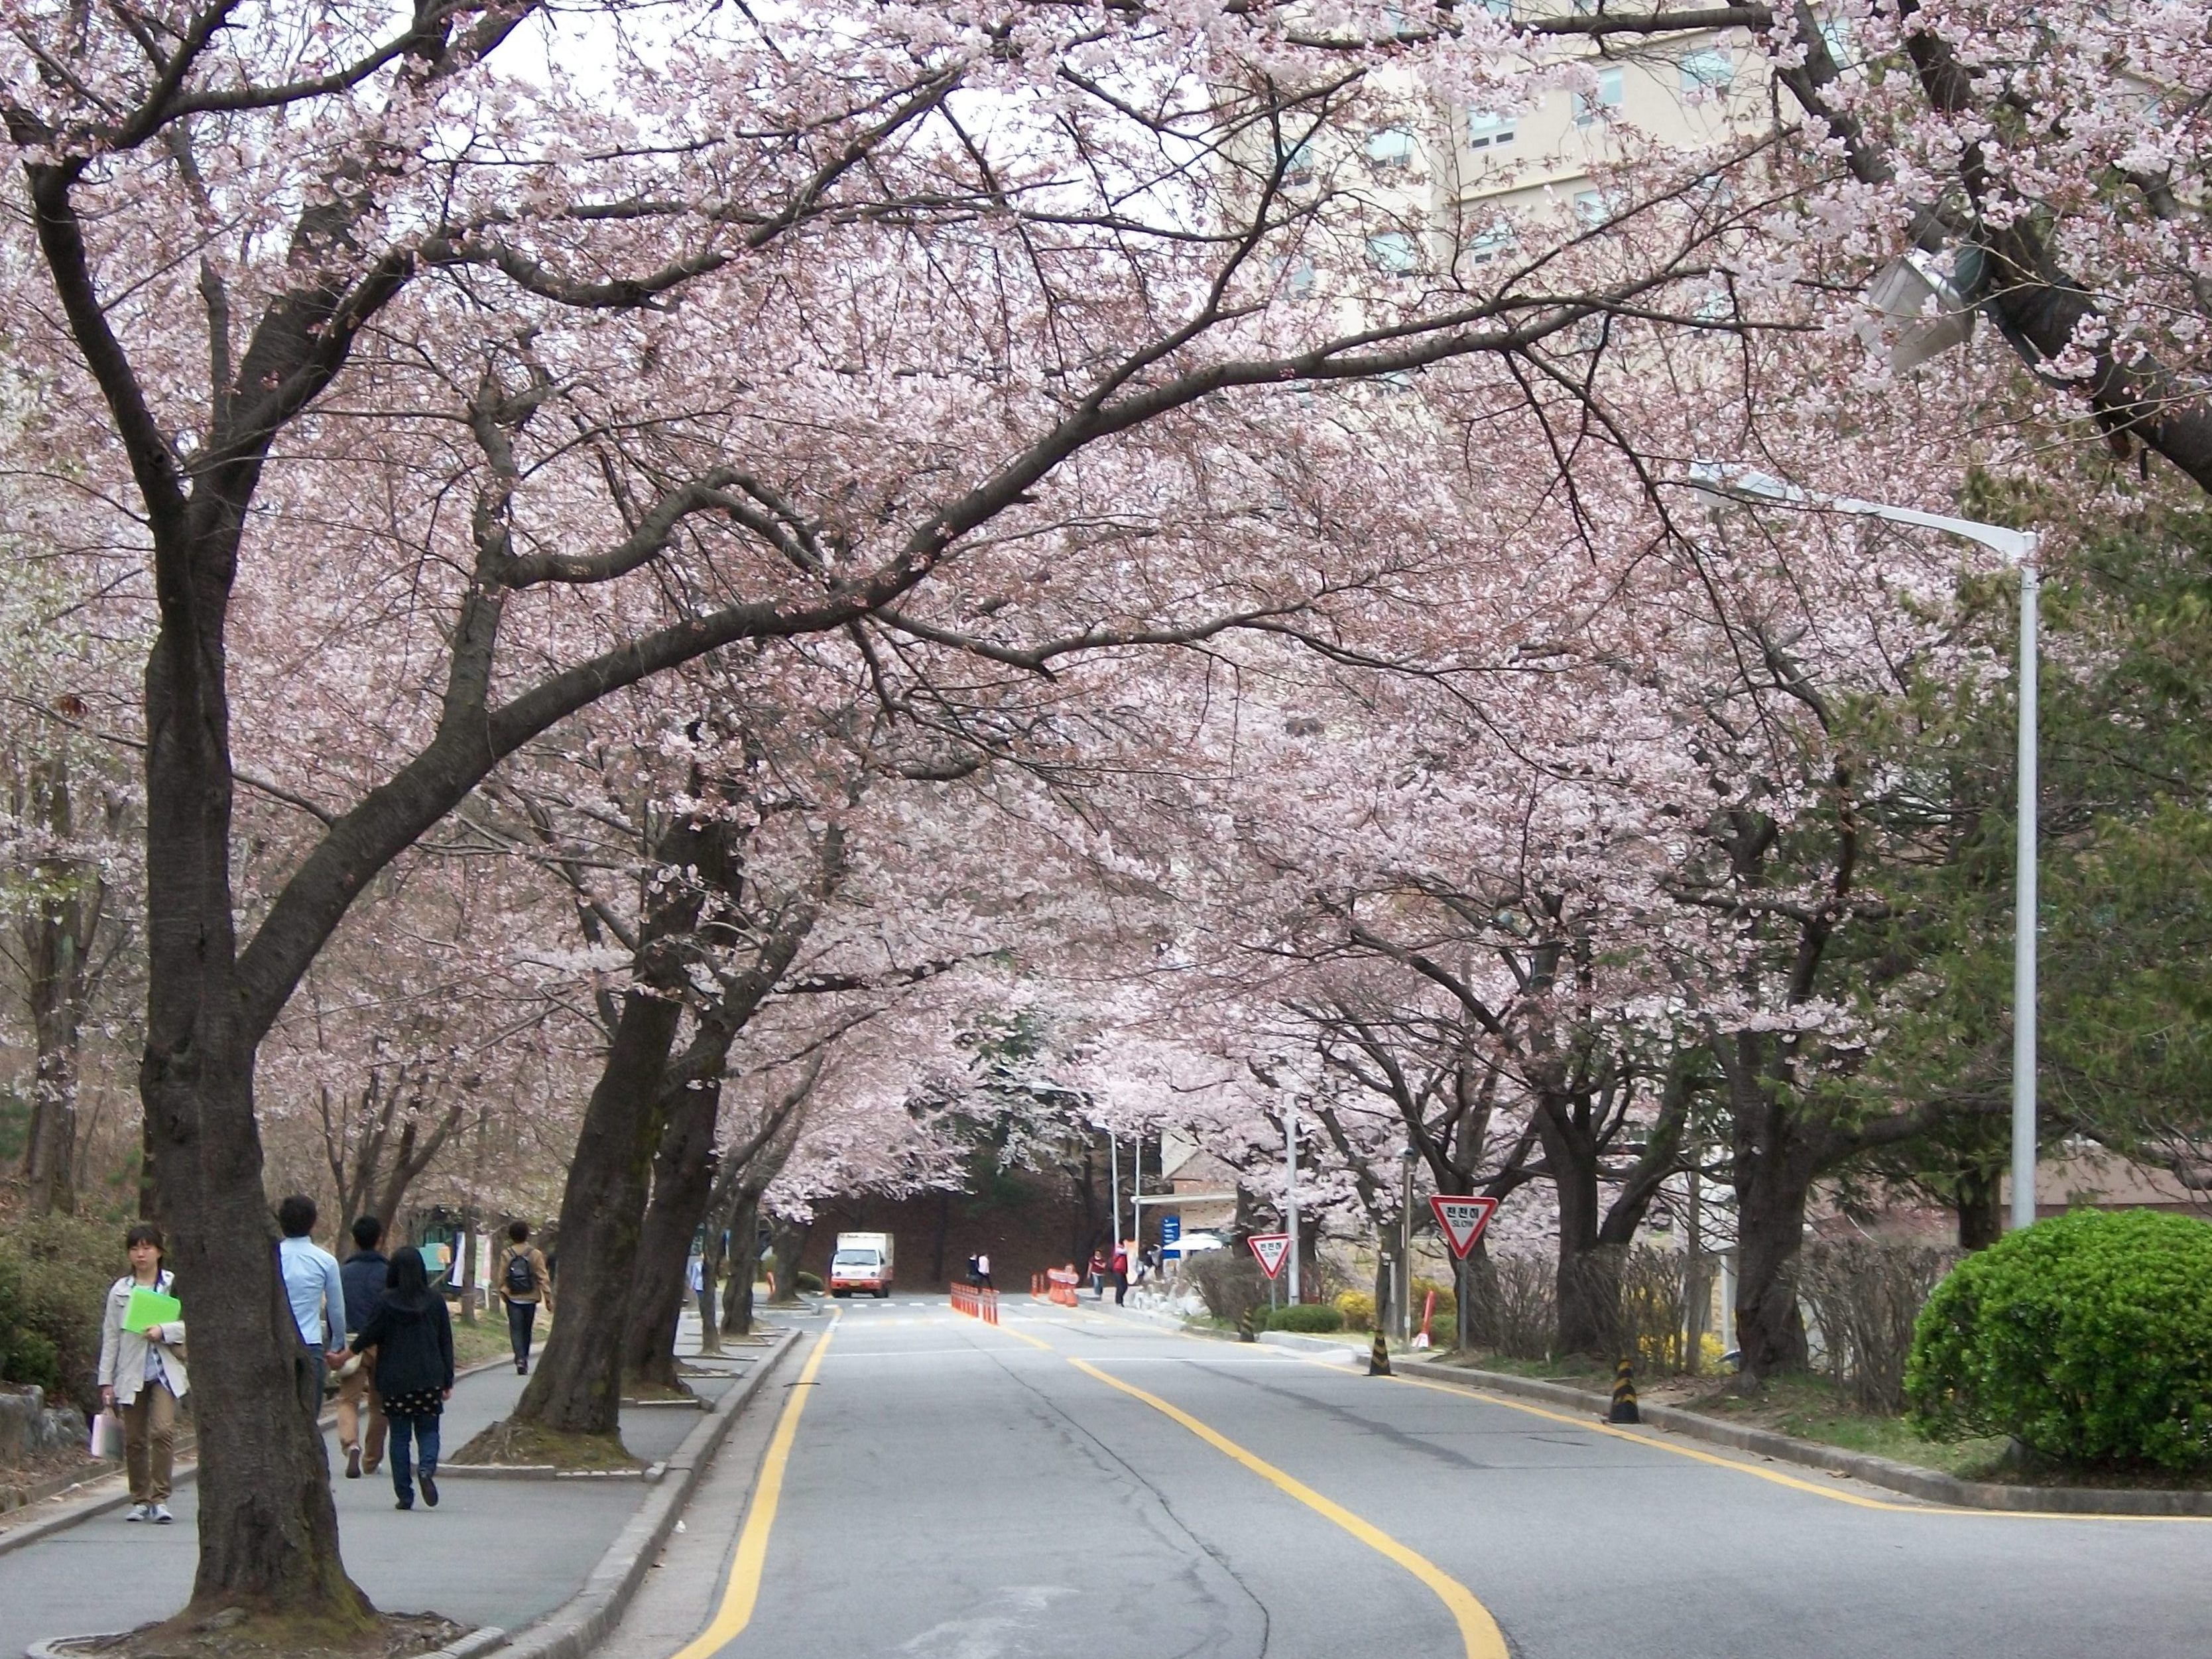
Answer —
(54, 1275)
(2088, 1338)
(1306, 1317)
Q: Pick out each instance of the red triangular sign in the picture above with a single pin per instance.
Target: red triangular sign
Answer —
(1272, 1248)
(1462, 1220)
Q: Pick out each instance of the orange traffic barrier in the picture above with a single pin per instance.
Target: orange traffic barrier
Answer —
(1060, 1285)
(976, 1304)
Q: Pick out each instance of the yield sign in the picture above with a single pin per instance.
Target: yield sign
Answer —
(1270, 1248)
(1462, 1220)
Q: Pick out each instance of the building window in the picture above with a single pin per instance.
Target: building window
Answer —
(1836, 36)
(1391, 147)
(1590, 208)
(1298, 162)
(1590, 108)
(1488, 245)
(1488, 132)
(1708, 70)
(1298, 280)
(1393, 252)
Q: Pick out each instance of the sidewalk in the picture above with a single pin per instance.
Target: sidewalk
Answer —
(504, 1551)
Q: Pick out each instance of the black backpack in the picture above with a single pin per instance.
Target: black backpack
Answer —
(522, 1277)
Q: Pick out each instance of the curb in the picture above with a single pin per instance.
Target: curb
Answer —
(90, 1509)
(1913, 1481)
(572, 1630)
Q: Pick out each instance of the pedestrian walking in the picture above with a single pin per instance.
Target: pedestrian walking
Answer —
(525, 1281)
(316, 1290)
(1121, 1265)
(360, 1407)
(1098, 1274)
(141, 1377)
(413, 1338)
(983, 1271)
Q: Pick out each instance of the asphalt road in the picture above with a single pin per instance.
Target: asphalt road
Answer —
(953, 1491)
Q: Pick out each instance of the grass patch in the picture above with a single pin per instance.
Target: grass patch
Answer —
(528, 1446)
(1810, 1408)
(634, 1388)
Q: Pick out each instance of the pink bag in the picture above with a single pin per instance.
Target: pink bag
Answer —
(106, 1439)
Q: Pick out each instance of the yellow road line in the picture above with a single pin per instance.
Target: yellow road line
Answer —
(1478, 1630)
(1857, 1500)
(743, 1591)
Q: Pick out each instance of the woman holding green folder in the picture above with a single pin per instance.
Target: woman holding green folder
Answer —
(141, 1371)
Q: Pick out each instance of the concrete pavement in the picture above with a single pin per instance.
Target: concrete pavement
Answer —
(1075, 1483)
(502, 1551)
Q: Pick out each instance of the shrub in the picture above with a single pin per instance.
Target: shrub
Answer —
(1866, 1297)
(1444, 1329)
(1358, 1309)
(807, 1281)
(1229, 1281)
(1512, 1306)
(2088, 1338)
(54, 1275)
(1307, 1316)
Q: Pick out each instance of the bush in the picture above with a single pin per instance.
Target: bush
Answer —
(1443, 1331)
(1308, 1316)
(1866, 1297)
(54, 1275)
(2088, 1338)
(1358, 1309)
(1512, 1306)
(807, 1281)
(1229, 1281)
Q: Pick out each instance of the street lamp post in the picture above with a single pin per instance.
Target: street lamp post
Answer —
(1736, 483)
(1407, 1160)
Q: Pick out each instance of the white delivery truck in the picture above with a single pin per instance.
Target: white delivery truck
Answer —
(863, 1263)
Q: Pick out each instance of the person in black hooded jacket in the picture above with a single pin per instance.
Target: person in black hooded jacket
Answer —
(414, 1342)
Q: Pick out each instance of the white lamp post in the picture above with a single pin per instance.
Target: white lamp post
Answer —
(1737, 484)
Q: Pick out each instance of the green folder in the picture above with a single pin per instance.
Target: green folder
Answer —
(150, 1308)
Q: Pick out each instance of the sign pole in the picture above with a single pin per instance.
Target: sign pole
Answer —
(1291, 1204)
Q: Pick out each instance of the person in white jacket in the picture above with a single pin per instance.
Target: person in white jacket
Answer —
(142, 1378)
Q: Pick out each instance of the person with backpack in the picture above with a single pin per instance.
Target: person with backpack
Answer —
(413, 1337)
(142, 1378)
(524, 1283)
(364, 1275)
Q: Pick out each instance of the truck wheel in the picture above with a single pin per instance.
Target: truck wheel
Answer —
(884, 1294)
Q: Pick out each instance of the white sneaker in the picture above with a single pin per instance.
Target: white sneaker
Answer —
(158, 1514)
(137, 1512)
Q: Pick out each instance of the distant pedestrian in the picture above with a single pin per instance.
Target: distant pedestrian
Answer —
(360, 1408)
(1098, 1273)
(316, 1290)
(983, 1271)
(525, 1282)
(142, 1378)
(974, 1274)
(1121, 1265)
(413, 1338)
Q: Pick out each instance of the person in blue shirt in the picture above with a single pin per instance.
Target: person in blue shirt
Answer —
(316, 1289)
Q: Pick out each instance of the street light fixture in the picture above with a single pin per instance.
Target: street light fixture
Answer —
(1720, 483)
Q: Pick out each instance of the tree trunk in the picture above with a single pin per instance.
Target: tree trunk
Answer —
(1579, 1280)
(786, 1241)
(943, 1230)
(683, 1182)
(745, 1267)
(576, 1388)
(1981, 1217)
(267, 1530)
(57, 939)
(1772, 1192)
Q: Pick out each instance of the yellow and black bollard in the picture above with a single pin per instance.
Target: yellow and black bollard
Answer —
(1624, 1395)
(1378, 1358)
(1244, 1327)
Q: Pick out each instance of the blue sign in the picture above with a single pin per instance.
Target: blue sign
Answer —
(1171, 1234)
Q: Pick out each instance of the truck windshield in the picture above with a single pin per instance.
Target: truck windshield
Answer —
(854, 1259)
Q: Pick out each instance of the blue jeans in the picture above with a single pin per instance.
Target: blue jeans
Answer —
(422, 1432)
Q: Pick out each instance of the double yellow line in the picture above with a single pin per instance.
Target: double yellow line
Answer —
(1479, 1631)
